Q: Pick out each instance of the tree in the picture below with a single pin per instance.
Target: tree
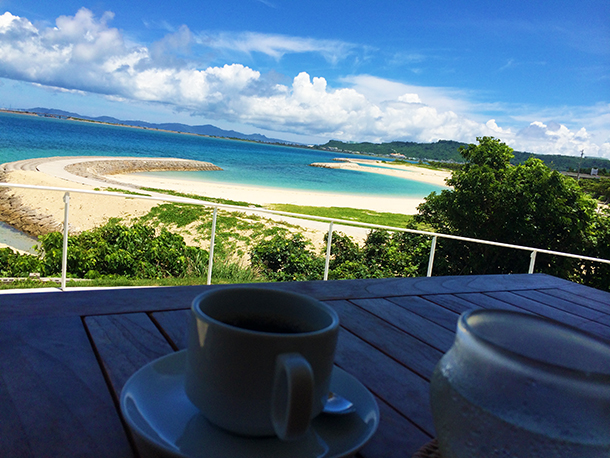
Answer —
(597, 274)
(527, 204)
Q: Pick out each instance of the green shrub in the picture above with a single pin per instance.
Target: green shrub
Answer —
(13, 264)
(287, 259)
(384, 254)
(121, 251)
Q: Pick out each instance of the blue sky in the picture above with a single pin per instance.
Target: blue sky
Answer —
(535, 74)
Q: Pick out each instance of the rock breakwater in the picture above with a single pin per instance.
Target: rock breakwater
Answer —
(118, 166)
(21, 217)
(101, 169)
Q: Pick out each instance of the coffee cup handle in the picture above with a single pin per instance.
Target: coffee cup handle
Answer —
(292, 399)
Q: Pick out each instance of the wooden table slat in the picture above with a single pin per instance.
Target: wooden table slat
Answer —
(408, 350)
(126, 343)
(55, 302)
(539, 309)
(51, 377)
(562, 304)
(461, 284)
(174, 324)
(411, 323)
(590, 302)
(486, 301)
(428, 308)
(583, 291)
(407, 392)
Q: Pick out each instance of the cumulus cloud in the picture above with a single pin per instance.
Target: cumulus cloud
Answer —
(84, 53)
(555, 138)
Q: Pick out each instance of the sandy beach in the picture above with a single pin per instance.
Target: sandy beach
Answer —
(88, 211)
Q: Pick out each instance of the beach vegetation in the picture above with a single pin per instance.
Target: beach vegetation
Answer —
(14, 264)
(348, 214)
(124, 191)
(179, 215)
(224, 274)
(203, 198)
(287, 258)
(598, 188)
(491, 199)
(430, 165)
(135, 251)
(236, 232)
(384, 254)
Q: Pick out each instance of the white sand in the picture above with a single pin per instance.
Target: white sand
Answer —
(86, 211)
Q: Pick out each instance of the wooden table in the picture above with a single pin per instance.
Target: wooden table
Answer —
(64, 356)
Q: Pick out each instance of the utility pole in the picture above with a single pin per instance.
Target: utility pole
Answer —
(582, 152)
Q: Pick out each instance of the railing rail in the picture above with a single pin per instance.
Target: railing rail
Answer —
(332, 221)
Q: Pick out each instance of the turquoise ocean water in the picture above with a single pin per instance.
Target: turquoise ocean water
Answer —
(25, 137)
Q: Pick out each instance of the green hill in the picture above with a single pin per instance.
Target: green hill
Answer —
(448, 150)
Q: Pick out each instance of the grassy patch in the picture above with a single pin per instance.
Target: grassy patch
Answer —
(124, 191)
(431, 165)
(349, 214)
(179, 215)
(28, 283)
(198, 197)
(217, 278)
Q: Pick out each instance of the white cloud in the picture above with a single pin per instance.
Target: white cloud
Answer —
(555, 138)
(267, 3)
(409, 98)
(83, 53)
(275, 45)
(380, 90)
(498, 131)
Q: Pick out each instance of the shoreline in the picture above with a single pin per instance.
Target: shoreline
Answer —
(46, 208)
(262, 195)
(408, 172)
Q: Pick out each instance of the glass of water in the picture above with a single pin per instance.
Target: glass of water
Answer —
(515, 385)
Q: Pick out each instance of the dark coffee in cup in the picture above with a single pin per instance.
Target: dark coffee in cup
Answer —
(270, 324)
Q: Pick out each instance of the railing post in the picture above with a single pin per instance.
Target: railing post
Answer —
(431, 259)
(64, 253)
(532, 262)
(328, 244)
(211, 260)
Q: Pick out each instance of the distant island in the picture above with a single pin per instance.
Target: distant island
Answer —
(207, 130)
(443, 151)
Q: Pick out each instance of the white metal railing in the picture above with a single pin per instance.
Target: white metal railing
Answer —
(533, 251)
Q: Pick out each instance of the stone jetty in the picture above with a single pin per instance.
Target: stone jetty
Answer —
(23, 218)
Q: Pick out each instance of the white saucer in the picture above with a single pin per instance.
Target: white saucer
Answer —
(156, 408)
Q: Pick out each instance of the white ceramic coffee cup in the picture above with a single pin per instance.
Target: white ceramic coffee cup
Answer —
(259, 361)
